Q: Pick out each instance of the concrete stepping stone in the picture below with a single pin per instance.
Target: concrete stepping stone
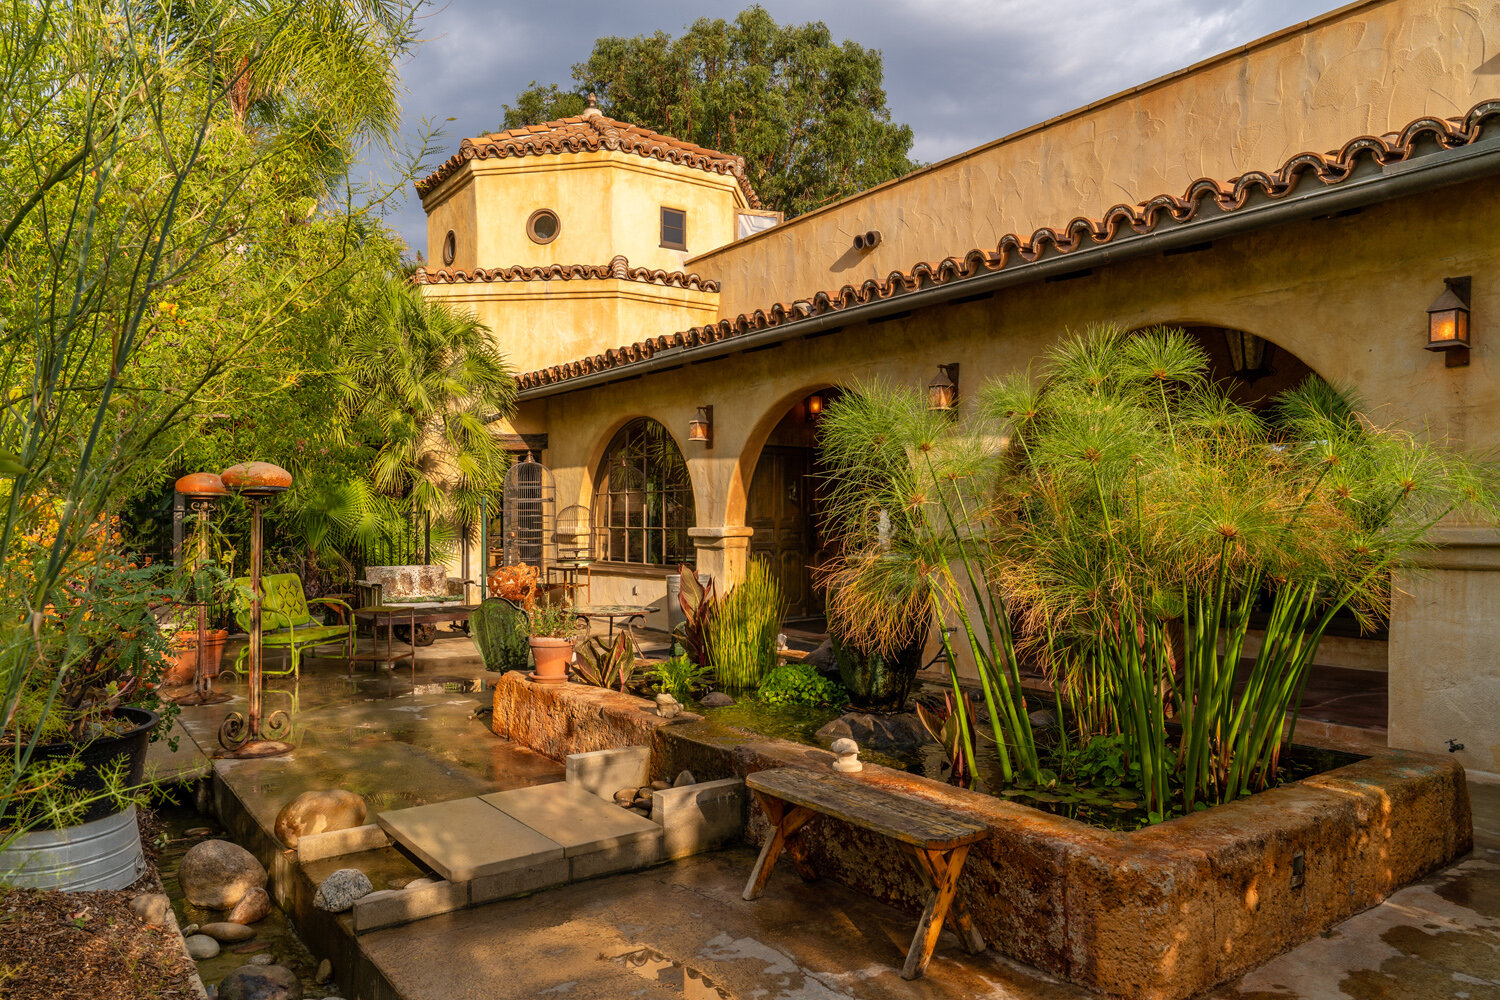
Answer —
(466, 839)
(598, 837)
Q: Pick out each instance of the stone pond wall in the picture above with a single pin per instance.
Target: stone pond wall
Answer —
(1164, 912)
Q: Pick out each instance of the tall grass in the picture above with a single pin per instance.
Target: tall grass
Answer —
(742, 634)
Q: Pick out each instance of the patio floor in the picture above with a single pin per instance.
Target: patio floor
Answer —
(656, 933)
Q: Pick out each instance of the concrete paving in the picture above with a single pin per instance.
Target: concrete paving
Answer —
(681, 929)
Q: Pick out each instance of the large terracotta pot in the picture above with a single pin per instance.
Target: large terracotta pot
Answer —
(185, 652)
(877, 682)
(552, 657)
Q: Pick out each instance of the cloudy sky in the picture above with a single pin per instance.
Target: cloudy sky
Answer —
(959, 72)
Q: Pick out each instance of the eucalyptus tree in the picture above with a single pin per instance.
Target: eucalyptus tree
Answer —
(806, 112)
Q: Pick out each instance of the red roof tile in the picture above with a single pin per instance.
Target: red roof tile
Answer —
(618, 268)
(1328, 168)
(591, 132)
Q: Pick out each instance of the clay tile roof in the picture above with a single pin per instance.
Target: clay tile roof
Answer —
(591, 132)
(618, 268)
(1330, 168)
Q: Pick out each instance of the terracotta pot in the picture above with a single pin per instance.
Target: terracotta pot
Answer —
(552, 657)
(185, 648)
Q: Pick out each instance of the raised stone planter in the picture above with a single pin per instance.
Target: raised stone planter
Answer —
(1165, 912)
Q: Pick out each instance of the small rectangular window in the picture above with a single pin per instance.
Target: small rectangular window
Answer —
(674, 228)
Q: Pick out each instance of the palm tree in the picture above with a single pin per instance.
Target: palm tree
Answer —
(430, 382)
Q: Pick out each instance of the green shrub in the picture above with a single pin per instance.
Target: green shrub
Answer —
(680, 677)
(742, 633)
(800, 684)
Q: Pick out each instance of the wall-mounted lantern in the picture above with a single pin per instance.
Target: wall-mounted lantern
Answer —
(942, 392)
(1448, 322)
(701, 427)
(815, 404)
(1249, 355)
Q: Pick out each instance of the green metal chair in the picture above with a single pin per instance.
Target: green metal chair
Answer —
(501, 631)
(286, 622)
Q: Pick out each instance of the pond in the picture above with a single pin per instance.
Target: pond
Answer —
(183, 826)
(1104, 805)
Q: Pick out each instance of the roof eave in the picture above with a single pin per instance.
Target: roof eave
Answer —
(1425, 172)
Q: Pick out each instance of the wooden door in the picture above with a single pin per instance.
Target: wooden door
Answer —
(779, 508)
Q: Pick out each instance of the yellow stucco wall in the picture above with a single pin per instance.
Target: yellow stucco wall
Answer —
(1367, 68)
(547, 321)
(608, 202)
(1348, 295)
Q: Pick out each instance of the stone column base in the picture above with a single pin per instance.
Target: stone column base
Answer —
(723, 554)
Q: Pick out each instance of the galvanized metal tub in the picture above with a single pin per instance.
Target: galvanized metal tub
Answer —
(103, 854)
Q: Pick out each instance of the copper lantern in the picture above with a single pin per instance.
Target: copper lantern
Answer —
(1448, 322)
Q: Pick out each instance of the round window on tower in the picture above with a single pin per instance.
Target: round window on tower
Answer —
(543, 226)
(450, 248)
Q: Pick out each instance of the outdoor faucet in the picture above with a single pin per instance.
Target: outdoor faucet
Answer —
(1454, 746)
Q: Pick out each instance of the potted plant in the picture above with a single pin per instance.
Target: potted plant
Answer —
(75, 744)
(553, 627)
(205, 576)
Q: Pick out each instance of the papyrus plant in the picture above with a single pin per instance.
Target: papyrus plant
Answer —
(1128, 517)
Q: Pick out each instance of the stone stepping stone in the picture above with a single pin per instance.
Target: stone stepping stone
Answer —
(466, 839)
(578, 820)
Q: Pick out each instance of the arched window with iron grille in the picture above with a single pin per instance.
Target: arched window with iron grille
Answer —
(643, 499)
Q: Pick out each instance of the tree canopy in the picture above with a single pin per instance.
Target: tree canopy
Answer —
(807, 113)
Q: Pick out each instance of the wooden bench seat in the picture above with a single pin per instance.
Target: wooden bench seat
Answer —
(936, 841)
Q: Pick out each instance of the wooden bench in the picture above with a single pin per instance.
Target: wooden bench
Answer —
(936, 841)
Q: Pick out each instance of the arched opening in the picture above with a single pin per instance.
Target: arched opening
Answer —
(643, 498)
(782, 505)
(1255, 369)
(1347, 686)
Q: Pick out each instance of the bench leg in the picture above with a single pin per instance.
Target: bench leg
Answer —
(785, 823)
(931, 866)
(942, 869)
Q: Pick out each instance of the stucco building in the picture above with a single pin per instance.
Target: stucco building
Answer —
(1313, 189)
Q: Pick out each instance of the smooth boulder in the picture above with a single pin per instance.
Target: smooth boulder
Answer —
(217, 874)
(227, 933)
(716, 699)
(897, 732)
(260, 982)
(200, 946)
(153, 908)
(320, 811)
(339, 890)
(253, 906)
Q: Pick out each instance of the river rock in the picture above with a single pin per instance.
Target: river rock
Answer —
(325, 972)
(217, 874)
(264, 958)
(898, 732)
(320, 811)
(201, 946)
(822, 660)
(227, 933)
(260, 982)
(253, 906)
(684, 778)
(716, 699)
(624, 797)
(340, 889)
(153, 908)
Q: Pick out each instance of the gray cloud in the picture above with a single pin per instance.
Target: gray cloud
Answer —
(959, 72)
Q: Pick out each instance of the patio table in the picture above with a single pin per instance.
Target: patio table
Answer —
(412, 615)
(611, 613)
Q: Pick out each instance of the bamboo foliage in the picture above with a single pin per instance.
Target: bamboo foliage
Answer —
(1115, 519)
